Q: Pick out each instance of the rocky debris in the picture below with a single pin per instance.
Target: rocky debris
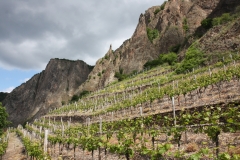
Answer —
(46, 90)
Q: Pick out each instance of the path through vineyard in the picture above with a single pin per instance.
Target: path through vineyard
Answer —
(14, 149)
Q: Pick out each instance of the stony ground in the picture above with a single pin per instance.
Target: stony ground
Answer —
(15, 149)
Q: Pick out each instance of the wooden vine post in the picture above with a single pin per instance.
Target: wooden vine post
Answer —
(62, 127)
(69, 123)
(141, 114)
(100, 131)
(210, 73)
(174, 114)
(88, 124)
(100, 125)
(112, 117)
(49, 121)
(45, 141)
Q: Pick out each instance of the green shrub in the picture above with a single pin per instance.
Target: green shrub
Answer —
(226, 17)
(77, 97)
(120, 76)
(3, 118)
(83, 93)
(74, 98)
(99, 74)
(163, 5)
(153, 63)
(156, 11)
(169, 58)
(152, 34)
(106, 57)
(207, 23)
(216, 21)
(193, 58)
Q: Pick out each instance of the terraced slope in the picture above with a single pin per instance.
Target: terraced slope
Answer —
(153, 114)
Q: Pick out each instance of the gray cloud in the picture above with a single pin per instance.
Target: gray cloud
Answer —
(33, 31)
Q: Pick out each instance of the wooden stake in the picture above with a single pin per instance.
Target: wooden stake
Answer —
(45, 141)
(141, 114)
(112, 117)
(88, 123)
(174, 114)
(100, 125)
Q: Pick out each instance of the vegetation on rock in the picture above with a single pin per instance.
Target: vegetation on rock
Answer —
(169, 58)
(194, 58)
(75, 97)
(120, 75)
(152, 34)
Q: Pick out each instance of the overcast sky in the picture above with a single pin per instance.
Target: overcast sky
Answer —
(34, 31)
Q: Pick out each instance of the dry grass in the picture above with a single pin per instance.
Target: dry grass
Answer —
(234, 150)
(191, 147)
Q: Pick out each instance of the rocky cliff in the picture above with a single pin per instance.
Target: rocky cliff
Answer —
(222, 39)
(46, 90)
(160, 29)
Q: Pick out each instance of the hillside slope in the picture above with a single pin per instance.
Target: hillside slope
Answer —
(172, 22)
(222, 38)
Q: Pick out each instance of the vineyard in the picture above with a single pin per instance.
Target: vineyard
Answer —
(155, 114)
(3, 143)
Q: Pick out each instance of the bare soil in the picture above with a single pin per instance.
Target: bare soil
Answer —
(15, 149)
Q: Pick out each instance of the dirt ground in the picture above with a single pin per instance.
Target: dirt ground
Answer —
(15, 149)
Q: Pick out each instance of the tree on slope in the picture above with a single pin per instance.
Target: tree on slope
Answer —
(3, 118)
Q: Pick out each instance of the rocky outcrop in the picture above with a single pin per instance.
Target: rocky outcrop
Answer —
(46, 90)
(222, 39)
(174, 21)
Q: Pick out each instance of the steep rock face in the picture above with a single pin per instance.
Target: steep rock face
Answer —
(174, 22)
(46, 90)
(222, 38)
(223, 6)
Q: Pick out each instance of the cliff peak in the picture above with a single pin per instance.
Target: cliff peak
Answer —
(46, 90)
